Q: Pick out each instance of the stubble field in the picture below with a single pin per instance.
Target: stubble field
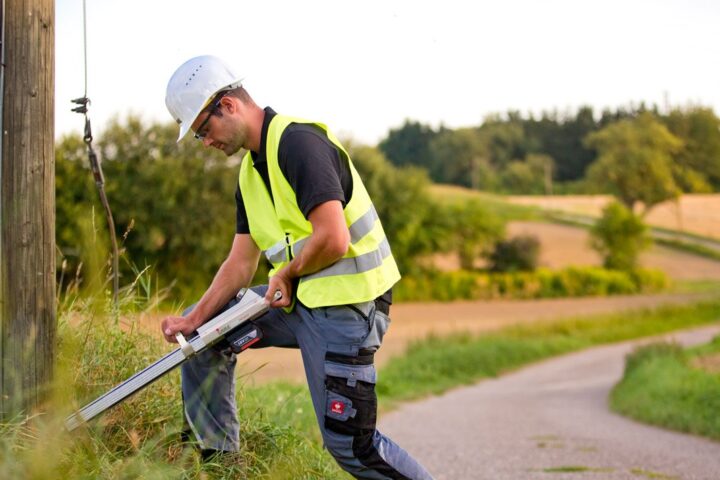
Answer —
(698, 214)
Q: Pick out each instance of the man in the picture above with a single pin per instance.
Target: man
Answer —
(301, 203)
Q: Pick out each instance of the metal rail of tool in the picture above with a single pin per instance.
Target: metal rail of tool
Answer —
(250, 306)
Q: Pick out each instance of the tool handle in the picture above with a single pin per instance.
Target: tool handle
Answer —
(186, 348)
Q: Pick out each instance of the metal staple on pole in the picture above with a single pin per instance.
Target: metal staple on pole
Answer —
(96, 167)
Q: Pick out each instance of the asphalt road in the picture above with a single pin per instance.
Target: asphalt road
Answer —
(550, 421)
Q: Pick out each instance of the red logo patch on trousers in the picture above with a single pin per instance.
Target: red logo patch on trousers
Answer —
(337, 407)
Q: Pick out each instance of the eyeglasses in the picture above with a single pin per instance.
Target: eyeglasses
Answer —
(202, 131)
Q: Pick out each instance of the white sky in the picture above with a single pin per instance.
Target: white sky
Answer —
(363, 67)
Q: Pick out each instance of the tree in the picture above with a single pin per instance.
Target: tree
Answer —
(619, 236)
(529, 176)
(163, 189)
(562, 139)
(698, 163)
(460, 157)
(409, 145)
(504, 140)
(635, 161)
(474, 231)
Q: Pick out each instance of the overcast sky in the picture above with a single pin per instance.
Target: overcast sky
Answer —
(363, 67)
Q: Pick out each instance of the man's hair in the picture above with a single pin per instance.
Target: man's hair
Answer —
(240, 93)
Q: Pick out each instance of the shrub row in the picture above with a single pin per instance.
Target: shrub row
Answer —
(542, 283)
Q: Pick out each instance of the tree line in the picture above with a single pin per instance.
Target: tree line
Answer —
(576, 152)
(175, 214)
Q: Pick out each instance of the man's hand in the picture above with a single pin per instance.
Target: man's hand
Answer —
(171, 325)
(282, 282)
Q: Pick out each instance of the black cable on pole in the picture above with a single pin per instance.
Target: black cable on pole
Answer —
(96, 168)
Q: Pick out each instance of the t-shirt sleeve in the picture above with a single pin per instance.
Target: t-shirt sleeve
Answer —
(314, 167)
(241, 221)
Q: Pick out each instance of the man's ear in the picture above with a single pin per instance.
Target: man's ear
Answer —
(229, 103)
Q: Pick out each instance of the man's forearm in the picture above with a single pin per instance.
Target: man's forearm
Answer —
(314, 257)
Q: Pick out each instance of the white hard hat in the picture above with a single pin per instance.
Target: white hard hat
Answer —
(193, 85)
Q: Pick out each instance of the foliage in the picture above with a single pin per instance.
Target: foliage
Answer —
(635, 161)
(474, 230)
(619, 236)
(528, 177)
(493, 156)
(698, 165)
(660, 386)
(161, 193)
(543, 283)
(409, 145)
(461, 157)
(520, 253)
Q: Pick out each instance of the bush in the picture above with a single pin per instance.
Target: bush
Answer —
(543, 283)
(619, 236)
(516, 254)
(474, 230)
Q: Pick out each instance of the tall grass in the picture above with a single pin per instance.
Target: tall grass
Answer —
(100, 345)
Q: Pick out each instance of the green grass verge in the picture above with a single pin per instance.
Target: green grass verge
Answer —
(662, 387)
(495, 203)
(434, 365)
(695, 286)
(695, 249)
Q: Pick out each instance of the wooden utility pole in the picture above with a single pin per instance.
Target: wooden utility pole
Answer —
(27, 205)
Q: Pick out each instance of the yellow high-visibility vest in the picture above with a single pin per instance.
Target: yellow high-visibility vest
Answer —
(280, 230)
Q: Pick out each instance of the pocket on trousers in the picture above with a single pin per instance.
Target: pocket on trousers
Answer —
(345, 328)
(351, 405)
(380, 325)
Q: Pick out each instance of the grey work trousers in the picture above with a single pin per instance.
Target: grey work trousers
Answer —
(337, 346)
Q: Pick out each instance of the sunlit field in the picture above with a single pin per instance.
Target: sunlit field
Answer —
(698, 214)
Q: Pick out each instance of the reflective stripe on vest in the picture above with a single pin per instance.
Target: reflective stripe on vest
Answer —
(361, 227)
(361, 263)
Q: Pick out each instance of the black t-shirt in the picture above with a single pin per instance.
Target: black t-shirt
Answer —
(313, 166)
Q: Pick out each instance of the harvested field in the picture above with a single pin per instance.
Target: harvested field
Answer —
(563, 246)
(698, 214)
